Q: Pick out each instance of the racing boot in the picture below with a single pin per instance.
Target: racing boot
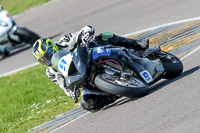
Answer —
(94, 100)
(3, 51)
(108, 38)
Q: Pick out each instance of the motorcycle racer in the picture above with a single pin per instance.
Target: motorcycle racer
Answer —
(44, 48)
(4, 43)
(13, 36)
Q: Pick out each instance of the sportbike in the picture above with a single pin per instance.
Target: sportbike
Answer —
(114, 70)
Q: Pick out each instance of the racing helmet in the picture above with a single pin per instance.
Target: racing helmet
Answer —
(107, 38)
(43, 50)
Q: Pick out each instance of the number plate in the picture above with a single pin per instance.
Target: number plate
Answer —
(146, 76)
(64, 63)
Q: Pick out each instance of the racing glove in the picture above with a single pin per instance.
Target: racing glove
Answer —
(70, 40)
(57, 78)
(67, 41)
(144, 44)
(85, 35)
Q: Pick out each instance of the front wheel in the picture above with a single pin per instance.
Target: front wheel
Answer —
(130, 87)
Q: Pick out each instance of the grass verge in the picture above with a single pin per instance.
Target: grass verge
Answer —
(17, 6)
(28, 98)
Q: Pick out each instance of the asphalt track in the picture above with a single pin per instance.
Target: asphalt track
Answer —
(173, 105)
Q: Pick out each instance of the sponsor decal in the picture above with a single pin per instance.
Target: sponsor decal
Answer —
(64, 63)
(100, 51)
(159, 68)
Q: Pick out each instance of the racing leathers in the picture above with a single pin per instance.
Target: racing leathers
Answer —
(89, 100)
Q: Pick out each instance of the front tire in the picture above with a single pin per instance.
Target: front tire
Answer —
(113, 85)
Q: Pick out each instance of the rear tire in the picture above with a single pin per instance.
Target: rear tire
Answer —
(173, 66)
(27, 35)
(110, 86)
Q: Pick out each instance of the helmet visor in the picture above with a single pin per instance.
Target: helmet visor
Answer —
(46, 57)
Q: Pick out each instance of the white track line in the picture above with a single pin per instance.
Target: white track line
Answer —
(160, 26)
(192, 52)
(69, 122)
(19, 69)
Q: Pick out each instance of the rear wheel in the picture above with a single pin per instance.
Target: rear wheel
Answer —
(27, 35)
(130, 87)
(173, 66)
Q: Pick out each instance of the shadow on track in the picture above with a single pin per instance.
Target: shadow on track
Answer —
(165, 82)
(120, 101)
(153, 88)
(26, 47)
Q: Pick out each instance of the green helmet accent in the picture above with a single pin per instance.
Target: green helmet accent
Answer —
(106, 36)
(43, 50)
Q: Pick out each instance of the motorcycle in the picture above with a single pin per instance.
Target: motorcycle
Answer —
(13, 36)
(115, 70)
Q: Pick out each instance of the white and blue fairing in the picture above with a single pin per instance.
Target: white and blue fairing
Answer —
(64, 61)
